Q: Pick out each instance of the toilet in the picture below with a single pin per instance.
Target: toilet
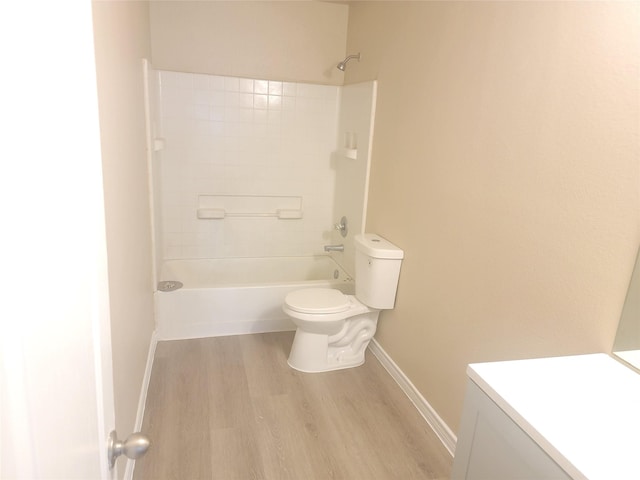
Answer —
(334, 329)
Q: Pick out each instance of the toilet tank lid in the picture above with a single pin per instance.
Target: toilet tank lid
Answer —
(375, 246)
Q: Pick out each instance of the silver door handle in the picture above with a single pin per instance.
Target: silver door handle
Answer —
(135, 446)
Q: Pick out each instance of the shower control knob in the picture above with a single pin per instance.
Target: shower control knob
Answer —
(135, 446)
(342, 227)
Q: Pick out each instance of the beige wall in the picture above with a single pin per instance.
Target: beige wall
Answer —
(122, 40)
(298, 41)
(506, 162)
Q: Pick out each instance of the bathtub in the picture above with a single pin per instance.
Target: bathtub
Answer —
(234, 296)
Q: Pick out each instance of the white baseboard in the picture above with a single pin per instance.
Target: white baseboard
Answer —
(130, 465)
(441, 429)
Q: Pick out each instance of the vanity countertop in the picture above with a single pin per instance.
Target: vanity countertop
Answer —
(583, 410)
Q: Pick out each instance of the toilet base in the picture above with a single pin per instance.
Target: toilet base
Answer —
(316, 352)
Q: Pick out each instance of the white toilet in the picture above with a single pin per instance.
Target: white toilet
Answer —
(334, 329)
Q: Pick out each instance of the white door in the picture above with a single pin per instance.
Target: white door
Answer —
(56, 389)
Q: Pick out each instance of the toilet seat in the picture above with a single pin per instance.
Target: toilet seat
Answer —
(317, 301)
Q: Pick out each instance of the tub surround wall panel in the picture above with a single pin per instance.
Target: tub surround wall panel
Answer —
(155, 168)
(505, 164)
(284, 40)
(245, 137)
(351, 162)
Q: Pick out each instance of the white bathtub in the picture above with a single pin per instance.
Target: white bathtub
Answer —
(238, 295)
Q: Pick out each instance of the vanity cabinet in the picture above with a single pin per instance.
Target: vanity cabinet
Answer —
(492, 446)
(575, 417)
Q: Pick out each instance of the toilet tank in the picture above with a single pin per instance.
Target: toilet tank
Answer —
(377, 270)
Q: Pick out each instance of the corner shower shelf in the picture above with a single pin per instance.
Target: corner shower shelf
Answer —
(351, 153)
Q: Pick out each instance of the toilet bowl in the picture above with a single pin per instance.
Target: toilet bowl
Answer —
(327, 323)
(334, 329)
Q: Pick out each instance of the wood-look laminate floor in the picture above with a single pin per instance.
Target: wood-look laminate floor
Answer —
(231, 408)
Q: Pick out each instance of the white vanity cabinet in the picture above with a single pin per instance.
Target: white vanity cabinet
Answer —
(492, 446)
(575, 417)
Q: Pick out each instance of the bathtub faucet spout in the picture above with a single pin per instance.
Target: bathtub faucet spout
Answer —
(334, 248)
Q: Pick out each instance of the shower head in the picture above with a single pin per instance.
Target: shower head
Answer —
(343, 64)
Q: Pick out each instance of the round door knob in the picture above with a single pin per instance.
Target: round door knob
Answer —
(135, 446)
